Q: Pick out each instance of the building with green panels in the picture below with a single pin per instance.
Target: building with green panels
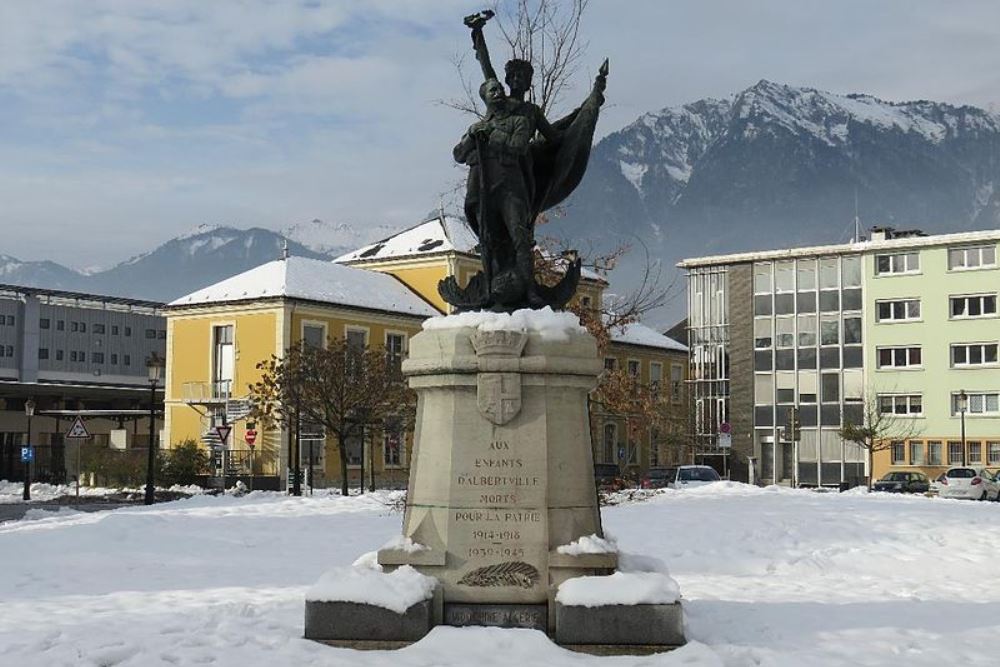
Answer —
(895, 326)
(933, 332)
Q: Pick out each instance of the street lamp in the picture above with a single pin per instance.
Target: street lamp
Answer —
(963, 405)
(154, 366)
(29, 410)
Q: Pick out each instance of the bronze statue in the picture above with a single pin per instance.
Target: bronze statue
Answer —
(520, 165)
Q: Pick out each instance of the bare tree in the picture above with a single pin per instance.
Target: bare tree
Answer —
(341, 388)
(879, 429)
(545, 33)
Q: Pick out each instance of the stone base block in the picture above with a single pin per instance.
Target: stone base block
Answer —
(641, 625)
(354, 622)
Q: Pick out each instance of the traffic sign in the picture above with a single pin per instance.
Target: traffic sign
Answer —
(250, 436)
(27, 454)
(725, 427)
(77, 430)
(725, 440)
(621, 453)
(223, 431)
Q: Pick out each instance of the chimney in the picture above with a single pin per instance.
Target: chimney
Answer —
(881, 233)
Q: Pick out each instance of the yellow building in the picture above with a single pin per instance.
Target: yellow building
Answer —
(657, 361)
(377, 295)
(218, 335)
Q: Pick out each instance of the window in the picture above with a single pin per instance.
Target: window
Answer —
(830, 384)
(977, 305)
(829, 277)
(114, 358)
(898, 357)
(3, 352)
(633, 368)
(394, 349)
(161, 334)
(81, 356)
(60, 325)
(806, 274)
(83, 327)
(126, 360)
(43, 353)
(993, 452)
(917, 453)
(897, 311)
(901, 404)
(784, 277)
(954, 453)
(762, 333)
(354, 450)
(74, 326)
(934, 453)
(59, 355)
(807, 330)
(851, 267)
(898, 453)
(97, 357)
(610, 438)
(392, 444)
(98, 328)
(762, 278)
(974, 354)
(114, 329)
(655, 376)
(357, 339)
(979, 403)
(10, 320)
(151, 334)
(852, 331)
(610, 363)
(829, 330)
(784, 328)
(223, 359)
(972, 257)
(314, 335)
(975, 452)
(72, 355)
(128, 331)
(44, 323)
(899, 262)
(676, 382)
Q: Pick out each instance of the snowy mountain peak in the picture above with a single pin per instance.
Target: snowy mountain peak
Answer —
(335, 238)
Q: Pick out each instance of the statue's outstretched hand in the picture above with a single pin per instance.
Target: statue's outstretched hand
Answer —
(478, 20)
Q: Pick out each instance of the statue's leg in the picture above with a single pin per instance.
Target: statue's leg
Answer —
(516, 214)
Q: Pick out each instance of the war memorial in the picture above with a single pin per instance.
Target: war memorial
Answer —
(502, 525)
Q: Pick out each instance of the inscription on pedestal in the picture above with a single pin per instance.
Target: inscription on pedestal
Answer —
(534, 616)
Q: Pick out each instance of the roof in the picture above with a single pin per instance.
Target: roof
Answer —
(844, 248)
(78, 296)
(443, 233)
(639, 334)
(314, 280)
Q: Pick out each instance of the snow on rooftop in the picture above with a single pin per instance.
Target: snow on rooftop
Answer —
(314, 280)
(439, 234)
(640, 334)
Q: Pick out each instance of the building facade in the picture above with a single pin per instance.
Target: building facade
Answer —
(70, 352)
(902, 322)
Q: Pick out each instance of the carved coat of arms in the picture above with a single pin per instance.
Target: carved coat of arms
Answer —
(499, 396)
(498, 393)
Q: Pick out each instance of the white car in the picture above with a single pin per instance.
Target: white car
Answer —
(688, 477)
(970, 483)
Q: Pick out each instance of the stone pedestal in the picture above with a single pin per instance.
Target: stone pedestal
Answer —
(502, 470)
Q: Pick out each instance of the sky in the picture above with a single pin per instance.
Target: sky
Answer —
(124, 123)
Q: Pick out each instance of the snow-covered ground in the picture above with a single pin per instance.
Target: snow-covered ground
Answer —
(770, 577)
(11, 492)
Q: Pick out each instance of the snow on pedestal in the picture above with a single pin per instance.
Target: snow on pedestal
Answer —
(397, 590)
(629, 588)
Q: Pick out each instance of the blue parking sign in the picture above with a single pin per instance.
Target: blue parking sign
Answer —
(27, 454)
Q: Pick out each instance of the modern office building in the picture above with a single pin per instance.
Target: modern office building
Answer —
(66, 352)
(903, 322)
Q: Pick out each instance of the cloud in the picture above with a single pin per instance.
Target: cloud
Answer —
(132, 120)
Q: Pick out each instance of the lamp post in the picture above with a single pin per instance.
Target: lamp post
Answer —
(963, 405)
(154, 366)
(29, 410)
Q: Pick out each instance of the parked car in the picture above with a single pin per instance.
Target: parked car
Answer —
(683, 477)
(899, 481)
(972, 483)
(607, 476)
(936, 483)
(658, 478)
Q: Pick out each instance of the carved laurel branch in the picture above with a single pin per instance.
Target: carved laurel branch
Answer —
(511, 573)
